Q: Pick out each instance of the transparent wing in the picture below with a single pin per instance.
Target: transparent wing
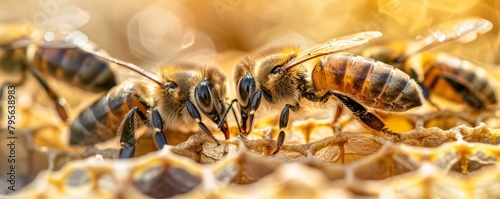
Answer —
(53, 32)
(79, 39)
(55, 39)
(335, 45)
(44, 38)
(67, 18)
(462, 31)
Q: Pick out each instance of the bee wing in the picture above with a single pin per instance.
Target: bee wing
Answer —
(51, 39)
(335, 45)
(54, 39)
(463, 31)
(67, 18)
(55, 31)
(79, 39)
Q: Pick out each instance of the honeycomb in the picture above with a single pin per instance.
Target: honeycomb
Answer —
(460, 162)
(448, 153)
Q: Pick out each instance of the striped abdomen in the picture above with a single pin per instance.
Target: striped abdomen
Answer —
(371, 83)
(100, 121)
(473, 78)
(75, 67)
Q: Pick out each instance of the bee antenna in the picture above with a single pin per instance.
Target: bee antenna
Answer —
(125, 64)
(287, 67)
(236, 118)
(229, 107)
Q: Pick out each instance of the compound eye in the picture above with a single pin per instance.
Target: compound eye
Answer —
(204, 97)
(171, 85)
(277, 69)
(246, 88)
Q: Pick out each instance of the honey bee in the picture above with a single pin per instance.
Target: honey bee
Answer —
(291, 78)
(471, 83)
(169, 99)
(21, 55)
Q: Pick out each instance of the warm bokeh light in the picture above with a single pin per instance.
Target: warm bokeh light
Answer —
(221, 33)
(150, 31)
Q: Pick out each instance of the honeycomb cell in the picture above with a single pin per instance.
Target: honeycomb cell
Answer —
(160, 181)
(78, 177)
(447, 120)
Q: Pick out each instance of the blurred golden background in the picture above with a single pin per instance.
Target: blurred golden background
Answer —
(221, 31)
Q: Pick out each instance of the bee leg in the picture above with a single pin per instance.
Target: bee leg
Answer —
(358, 110)
(127, 138)
(52, 95)
(159, 138)
(468, 95)
(196, 116)
(254, 105)
(284, 116)
(335, 123)
(315, 98)
(338, 112)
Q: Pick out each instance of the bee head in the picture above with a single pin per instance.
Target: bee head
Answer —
(205, 99)
(210, 97)
(264, 72)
